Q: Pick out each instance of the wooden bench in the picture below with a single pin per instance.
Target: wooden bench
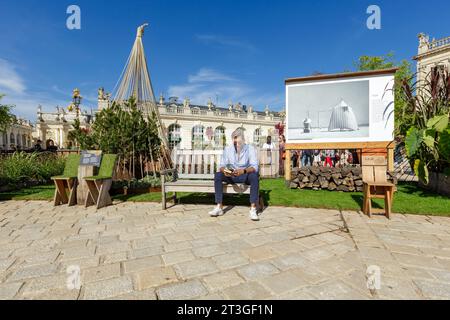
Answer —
(194, 172)
(376, 185)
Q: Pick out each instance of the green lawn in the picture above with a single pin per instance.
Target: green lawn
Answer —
(408, 199)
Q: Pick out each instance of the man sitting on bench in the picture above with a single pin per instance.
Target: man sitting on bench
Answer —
(239, 164)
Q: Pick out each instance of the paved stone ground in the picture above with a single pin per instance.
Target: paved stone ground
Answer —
(137, 251)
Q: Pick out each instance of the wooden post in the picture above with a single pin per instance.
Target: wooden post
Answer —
(82, 189)
(390, 159)
(287, 166)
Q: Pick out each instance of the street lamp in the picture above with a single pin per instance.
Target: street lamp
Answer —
(76, 101)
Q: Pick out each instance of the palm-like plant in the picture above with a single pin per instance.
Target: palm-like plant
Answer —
(426, 114)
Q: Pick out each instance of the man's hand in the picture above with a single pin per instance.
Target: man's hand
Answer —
(238, 172)
(225, 172)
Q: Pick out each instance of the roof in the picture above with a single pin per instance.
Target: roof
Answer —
(179, 104)
(342, 75)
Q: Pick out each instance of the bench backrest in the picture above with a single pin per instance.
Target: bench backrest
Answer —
(374, 168)
(196, 164)
(71, 166)
(107, 165)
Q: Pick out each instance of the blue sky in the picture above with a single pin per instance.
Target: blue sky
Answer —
(233, 50)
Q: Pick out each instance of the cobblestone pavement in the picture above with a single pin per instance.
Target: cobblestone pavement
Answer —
(137, 251)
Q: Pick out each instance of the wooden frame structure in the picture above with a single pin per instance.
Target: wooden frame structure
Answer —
(373, 148)
(380, 148)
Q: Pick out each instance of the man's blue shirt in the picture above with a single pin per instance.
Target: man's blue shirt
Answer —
(247, 157)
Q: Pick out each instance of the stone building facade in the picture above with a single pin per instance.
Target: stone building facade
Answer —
(18, 136)
(432, 54)
(55, 126)
(198, 127)
(187, 126)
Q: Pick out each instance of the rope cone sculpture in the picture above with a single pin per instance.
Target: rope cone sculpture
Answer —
(135, 82)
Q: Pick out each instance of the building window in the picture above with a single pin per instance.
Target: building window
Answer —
(12, 140)
(174, 135)
(257, 136)
(197, 137)
(219, 137)
(24, 141)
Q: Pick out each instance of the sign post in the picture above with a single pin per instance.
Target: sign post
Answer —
(89, 163)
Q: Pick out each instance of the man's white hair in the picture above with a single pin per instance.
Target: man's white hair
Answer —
(238, 133)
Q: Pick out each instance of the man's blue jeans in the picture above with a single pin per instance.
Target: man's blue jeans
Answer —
(251, 179)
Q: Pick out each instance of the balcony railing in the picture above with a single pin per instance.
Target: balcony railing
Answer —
(439, 43)
(216, 113)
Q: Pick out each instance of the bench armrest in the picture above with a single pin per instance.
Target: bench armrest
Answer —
(165, 172)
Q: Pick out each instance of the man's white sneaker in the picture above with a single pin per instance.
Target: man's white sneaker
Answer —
(254, 214)
(216, 212)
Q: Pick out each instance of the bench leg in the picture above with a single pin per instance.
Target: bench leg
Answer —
(56, 198)
(72, 192)
(104, 198)
(365, 198)
(60, 193)
(164, 204)
(92, 196)
(388, 201)
(261, 204)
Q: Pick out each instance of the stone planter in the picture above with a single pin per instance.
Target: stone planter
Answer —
(438, 182)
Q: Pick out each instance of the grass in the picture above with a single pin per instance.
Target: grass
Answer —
(408, 199)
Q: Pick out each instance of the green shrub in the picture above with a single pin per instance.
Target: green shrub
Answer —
(26, 167)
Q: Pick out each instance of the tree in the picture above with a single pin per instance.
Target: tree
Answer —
(122, 129)
(6, 117)
(404, 73)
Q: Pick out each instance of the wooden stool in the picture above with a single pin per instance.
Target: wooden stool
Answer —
(376, 185)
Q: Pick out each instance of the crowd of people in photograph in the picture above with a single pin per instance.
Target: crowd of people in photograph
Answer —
(324, 158)
(317, 158)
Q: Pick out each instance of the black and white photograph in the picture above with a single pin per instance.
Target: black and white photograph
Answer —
(331, 110)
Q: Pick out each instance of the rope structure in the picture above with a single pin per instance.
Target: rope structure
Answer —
(135, 82)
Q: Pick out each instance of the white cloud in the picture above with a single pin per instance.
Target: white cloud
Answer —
(25, 101)
(9, 78)
(209, 83)
(225, 41)
(209, 75)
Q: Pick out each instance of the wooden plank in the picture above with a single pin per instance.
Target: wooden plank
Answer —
(196, 176)
(390, 159)
(287, 166)
(82, 189)
(211, 164)
(205, 160)
(187, 160)
(342, 75)
(228, 189)
(340, 145)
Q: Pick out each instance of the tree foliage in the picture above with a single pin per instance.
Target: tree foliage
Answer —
(124, 130)
(6, 117)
